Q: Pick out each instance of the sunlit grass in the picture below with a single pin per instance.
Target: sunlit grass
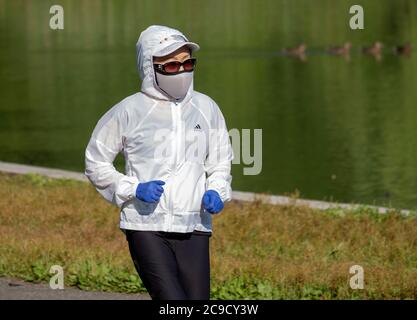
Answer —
(257, 251)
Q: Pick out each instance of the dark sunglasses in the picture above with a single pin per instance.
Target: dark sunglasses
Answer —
(173, 67)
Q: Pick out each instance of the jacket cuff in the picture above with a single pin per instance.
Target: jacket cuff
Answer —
(224, 193)
(133, 192)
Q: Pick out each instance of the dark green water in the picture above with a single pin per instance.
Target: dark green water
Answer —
(332, 129)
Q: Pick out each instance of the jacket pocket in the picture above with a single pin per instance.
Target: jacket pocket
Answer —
(144, 208)
(190, 186)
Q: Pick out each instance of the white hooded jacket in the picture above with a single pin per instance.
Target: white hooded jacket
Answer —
(183, 143)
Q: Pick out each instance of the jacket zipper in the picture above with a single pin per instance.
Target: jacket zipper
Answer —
(176, 118)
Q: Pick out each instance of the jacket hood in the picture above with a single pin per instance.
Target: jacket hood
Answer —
(149, 41)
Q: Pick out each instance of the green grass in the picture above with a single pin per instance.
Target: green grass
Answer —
(258, 251)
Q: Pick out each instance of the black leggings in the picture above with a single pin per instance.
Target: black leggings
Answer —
(172, 266)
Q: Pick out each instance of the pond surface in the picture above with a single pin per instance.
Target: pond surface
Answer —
(333, 128)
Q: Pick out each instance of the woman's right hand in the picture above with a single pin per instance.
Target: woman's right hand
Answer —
(150, 191)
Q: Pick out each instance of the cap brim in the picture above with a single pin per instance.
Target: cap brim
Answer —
(175, 46)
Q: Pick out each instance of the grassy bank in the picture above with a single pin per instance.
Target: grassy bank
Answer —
(257, 251)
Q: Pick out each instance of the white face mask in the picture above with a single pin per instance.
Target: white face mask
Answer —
(175, 85)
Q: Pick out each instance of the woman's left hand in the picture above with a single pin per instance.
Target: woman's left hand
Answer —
(212, 202)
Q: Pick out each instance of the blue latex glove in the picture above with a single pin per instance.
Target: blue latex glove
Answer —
(212, 202)
(150, 191)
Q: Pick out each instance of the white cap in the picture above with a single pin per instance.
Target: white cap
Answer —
(171, 43)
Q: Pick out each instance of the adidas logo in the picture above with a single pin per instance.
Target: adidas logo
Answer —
(197, 127)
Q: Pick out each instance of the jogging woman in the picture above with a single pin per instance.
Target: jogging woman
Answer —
(177, 167)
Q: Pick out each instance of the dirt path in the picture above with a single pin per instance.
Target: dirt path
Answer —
(15, 289)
